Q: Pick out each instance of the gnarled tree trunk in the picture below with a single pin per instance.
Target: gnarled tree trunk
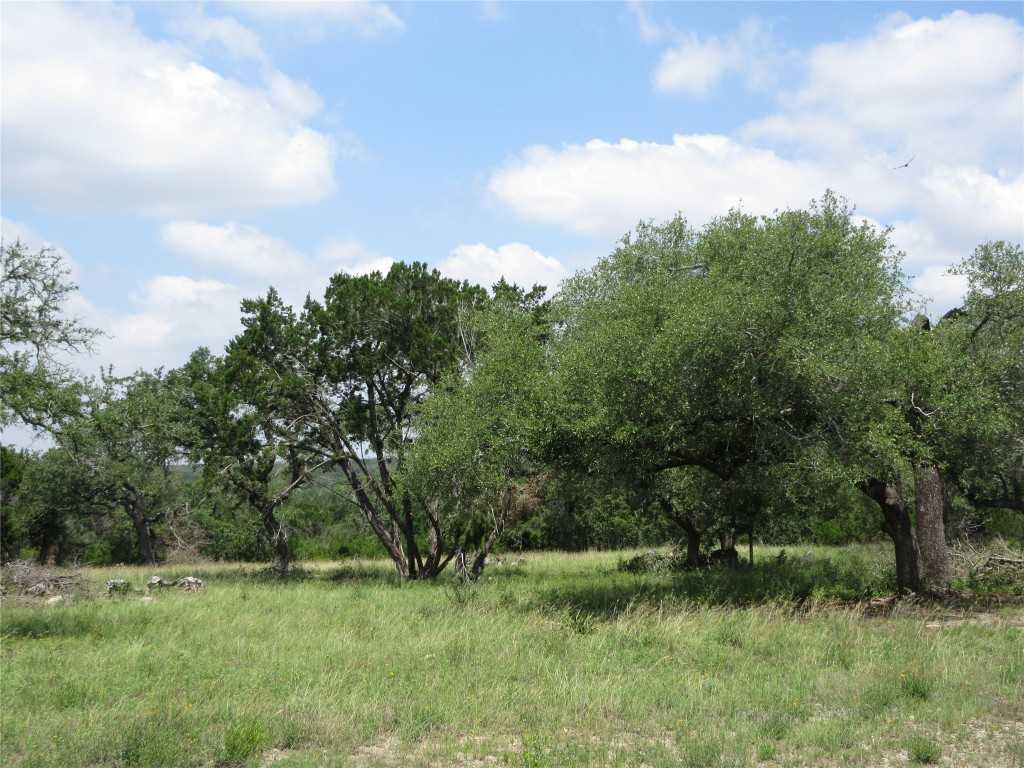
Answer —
(900, 529)
(936, 569)
(278, 536)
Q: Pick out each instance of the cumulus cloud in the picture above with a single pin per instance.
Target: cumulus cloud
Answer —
(232, 246)
(695, 65)
(601, 187)
(950, 88)
(517, 262)
(315, 18)
(98, 116)
(947, 90)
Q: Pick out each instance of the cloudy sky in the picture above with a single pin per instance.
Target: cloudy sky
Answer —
(185, 156)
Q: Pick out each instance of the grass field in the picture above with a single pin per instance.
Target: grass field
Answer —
(558, 661)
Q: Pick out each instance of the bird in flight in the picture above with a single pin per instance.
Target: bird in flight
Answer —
(906, 164)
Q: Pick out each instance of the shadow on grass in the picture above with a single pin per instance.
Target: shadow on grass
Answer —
(798, 582)
(36, 623)
(363, 573)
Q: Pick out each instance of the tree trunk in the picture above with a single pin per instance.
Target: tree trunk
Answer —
(899, 528)
(278, 539)
(936, 569)
(727, 540)
(693, 539)
(142, 533)
(48, 553)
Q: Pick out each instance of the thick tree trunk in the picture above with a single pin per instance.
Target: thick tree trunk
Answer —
(693, 540)
(936, 569)
(48, 553)
(900, 530)
(727, 540)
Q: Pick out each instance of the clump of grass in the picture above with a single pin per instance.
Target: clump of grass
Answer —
(913, 685)
(580, 622)
(923, 750)
(729, 634)
(461, 593)
(149, 742)
(767, 751)
(774, 727)
(243, 739)
(701, 753)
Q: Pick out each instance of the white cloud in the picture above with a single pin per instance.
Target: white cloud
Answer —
(650, 29)
(599, 187)
(315, 18)
(98, 116)
(695, 65)
(942, 290)
(202, 30)
(948, 88)
(233, 246)
(516, 262)
(166, 319)
(352, 257)
(970, 199)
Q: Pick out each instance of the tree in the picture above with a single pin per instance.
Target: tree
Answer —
(362, 360)
(734, 349)
(475, 466)
(57, 501)
(126, 439)
(989, 469)
(235, 429)
(12, 472)
(34, 384)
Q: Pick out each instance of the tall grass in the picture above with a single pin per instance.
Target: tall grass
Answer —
(560, 661)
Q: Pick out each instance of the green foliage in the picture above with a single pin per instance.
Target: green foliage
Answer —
(477, 455)
(35, 388)
(243, 739)
(923, 750)
(733, 349)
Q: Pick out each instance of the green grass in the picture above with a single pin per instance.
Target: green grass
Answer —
(563, 661)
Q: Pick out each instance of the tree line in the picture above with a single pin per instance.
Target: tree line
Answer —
(766, 376)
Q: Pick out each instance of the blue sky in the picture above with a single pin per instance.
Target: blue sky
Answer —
(184, 156)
